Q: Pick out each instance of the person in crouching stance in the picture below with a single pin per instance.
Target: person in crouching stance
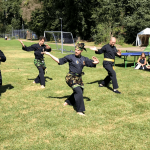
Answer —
(110, 52)
(74, 77)
(39, 59)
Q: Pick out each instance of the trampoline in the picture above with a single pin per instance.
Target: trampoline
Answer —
(134, 54)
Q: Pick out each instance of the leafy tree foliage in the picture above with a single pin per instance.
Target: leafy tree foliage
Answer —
(89, 19)
(136, 18)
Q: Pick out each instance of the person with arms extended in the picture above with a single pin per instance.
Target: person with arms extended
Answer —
(39, 59)
(74, 77)
(110, 52)
(2, 59)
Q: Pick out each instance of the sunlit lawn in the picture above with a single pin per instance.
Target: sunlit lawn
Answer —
(35, 118)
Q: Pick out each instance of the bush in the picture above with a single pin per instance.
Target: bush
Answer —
(101, 34)
(13, 38)
(120, 40)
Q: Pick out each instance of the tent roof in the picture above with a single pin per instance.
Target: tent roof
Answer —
(144, 32)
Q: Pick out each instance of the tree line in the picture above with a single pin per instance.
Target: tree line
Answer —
(92, 20)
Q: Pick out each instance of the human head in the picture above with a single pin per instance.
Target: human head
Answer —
(143, 55)
(79, 48)
(78, 52)
(112, 41)
(41, 40)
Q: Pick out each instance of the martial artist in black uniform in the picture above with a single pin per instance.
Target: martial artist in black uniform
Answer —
(74, 77)
(2, 59)
(110, 52)
(39, 59)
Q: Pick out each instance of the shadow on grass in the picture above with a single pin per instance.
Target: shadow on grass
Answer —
(123, 65)
(4, 88)
(74, 107)
(46, 77)
(147, 70)
(67, 96)
(99, 81)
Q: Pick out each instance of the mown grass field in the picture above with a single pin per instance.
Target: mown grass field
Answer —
(32, 118)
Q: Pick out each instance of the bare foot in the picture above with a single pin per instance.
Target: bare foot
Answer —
(81, 113)
(42, 86)
(33, 81)
(65, 103)
(101, 85)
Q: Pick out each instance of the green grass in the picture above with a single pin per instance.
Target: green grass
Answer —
(35, 119)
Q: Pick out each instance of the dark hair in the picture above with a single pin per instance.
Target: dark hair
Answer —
(42, 38)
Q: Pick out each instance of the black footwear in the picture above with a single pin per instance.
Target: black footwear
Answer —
(117, 92)
(100, 85)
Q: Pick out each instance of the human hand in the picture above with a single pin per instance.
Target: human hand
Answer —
(47, 46)
(93, 48)
(96, 61)
(47, 53)
(119, 52)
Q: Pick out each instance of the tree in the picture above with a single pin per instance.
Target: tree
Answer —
(137, 18)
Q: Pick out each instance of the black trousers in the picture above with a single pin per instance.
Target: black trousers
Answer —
(111, 76)
(143, 67)
(76, 99)
(0, 79)
(40, 78)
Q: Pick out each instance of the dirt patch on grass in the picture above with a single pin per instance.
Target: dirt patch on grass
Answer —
(58, 92)
(144, 100)
(13, 70)
(135, 118)
(33, 88)
(23, 55)
(25, 74)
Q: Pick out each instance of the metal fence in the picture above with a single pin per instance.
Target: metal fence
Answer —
(19, 34)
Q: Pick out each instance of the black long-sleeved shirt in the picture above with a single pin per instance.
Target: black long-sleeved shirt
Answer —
(108, 50)
(76, 64)
(37, 50)
(2, 57)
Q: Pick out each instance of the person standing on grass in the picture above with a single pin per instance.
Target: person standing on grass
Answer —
(74, 77)
(39, 59)
(2, 59)
(110, 52)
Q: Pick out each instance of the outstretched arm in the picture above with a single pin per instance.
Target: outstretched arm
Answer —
(30, 48)
(21, 43)
(98, 51)
(94, 48)
(53, 57)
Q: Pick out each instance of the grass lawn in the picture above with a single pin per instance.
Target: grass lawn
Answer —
(32, 118)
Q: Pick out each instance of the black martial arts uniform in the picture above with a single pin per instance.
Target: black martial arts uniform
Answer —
(74, 78)
(38, 61)
(109, 53)
(2, 59)
(142, 61)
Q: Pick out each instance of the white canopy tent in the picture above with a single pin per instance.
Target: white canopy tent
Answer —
(142, 37)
